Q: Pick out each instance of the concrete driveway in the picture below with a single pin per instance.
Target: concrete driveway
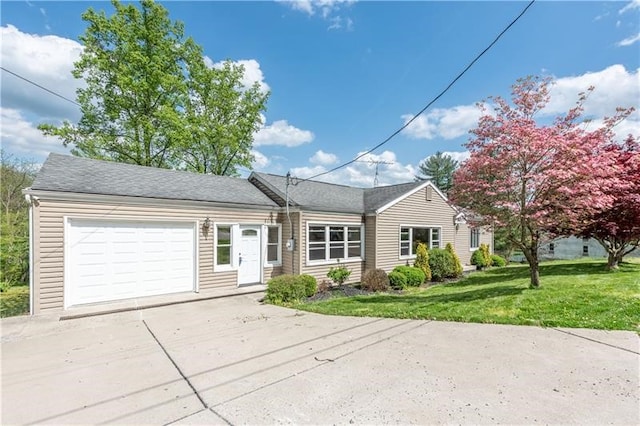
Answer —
(235, 361)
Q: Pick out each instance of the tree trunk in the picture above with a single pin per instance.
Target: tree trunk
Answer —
(534, 268)
(534, 265)
(613, 259)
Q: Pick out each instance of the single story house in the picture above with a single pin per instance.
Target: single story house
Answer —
(103, 231)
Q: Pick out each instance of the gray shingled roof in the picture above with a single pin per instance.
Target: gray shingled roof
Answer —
(81, 175)
(314, 195)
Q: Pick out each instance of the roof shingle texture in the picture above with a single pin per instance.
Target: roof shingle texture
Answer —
(321, 196)
(81, 175)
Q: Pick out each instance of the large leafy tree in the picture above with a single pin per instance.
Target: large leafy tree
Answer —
(617, 228)
(222, 117)
(150, 99)
(536, 180)
(133, 64)
(439, 169)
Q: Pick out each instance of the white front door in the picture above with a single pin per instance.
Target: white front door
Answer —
(249, 262)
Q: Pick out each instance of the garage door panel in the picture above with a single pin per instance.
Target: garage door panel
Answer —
(112, 260)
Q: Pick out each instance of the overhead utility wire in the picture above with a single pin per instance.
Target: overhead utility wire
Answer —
(40, 86)
(430, 103)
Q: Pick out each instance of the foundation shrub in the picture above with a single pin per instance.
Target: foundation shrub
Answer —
(415, 276)
(375, 280)
(398, 280)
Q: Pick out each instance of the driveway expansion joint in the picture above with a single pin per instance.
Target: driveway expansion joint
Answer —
(596, 341)
(186, 379)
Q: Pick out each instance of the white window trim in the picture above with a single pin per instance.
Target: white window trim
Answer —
(471, 248)
(413, 255)
(265, 239)
(335, 261)
(235, 236)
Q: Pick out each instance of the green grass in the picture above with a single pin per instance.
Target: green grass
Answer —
(14, 301)
(573, 294)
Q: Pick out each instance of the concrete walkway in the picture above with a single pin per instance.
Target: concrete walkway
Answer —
(235, 361)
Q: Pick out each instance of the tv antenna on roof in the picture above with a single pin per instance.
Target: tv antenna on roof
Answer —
(377, 163)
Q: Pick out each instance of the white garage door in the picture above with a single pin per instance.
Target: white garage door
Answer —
(113, 260)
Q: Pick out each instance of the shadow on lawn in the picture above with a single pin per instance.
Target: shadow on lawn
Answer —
(424, 298)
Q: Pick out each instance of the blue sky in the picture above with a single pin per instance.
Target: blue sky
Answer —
(344, 75)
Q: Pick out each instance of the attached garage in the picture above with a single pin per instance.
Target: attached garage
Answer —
(107, 260)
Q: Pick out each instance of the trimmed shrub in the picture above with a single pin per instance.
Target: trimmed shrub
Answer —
(339, 274)
(285, 289)
(477, 258)
(442, 264)
(324, 286)
(310, 285)
(415, 276)
(456, 261)
(397, 280)
(484, 248)
(375, 280)
(498, 261)
(422, 261)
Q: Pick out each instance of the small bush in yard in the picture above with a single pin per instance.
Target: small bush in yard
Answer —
(324, 286)
(415, 276)
(442, 264)
(422, 261)
(484, 248)
(456, 261)
(375, 280)
(310, 284)
(285, 289)
(397, 280)
(477, 258)
(339, 274)
(498, 261)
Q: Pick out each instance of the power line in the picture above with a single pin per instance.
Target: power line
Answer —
(40, 86)
(394, 134)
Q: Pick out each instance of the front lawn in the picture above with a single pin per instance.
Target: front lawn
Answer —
(14, 301)
(573, 294)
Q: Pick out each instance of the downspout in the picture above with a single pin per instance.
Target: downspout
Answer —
(30, 201)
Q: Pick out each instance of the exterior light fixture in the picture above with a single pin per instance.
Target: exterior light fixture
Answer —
(206, 225)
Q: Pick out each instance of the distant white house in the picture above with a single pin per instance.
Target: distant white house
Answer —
(574, 248)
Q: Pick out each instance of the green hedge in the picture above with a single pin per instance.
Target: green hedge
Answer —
(290, 288)
(397, 280)
(442, 264)
(415, 276)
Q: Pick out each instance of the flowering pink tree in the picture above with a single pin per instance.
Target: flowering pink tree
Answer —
(536, 181)
(617, 228)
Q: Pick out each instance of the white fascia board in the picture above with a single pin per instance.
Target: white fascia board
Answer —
(144, 201)
(413, 191)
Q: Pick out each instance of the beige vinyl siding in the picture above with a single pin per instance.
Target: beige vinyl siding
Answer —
(370, 234)
(414, 210)
(463, 242)
(290, 261)
(320, 271)
(48, 247)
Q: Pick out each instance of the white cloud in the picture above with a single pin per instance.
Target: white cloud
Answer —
(260, 161)
(323, 158)
(458, 156)
(629, 41)
(446, 123)
(22, 138)
(252, 72)
(362, 173)
(46, 60)
(634, 4)
(327, 9)
(614, 87)
(280, 132)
